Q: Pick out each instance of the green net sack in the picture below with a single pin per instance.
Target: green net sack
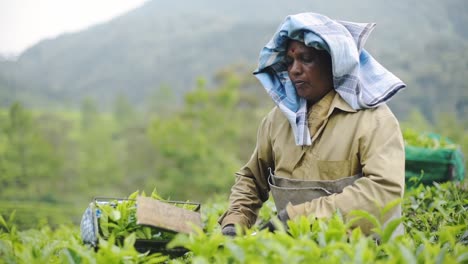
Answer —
(432, 158)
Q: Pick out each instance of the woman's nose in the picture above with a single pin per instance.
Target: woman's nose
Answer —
(295, 68)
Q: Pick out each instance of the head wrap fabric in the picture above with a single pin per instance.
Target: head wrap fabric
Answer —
(357, 77)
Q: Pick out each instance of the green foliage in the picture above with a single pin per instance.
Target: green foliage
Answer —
(117, 219)
(63, 245)
(96, 154)
(70, 157)
(435, 217)
(416, 139)
(56, 162)
(200, 142)
(124, 114)
(25, 155)
(443, 205)
(331, 241)
(33, 214)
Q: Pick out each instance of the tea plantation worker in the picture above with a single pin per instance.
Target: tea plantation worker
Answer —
(331, 143)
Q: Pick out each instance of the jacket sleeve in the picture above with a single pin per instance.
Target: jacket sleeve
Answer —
(250, 189)
(382, 155)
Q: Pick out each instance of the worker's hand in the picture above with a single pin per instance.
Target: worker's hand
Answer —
(229, 230)
(282, 216)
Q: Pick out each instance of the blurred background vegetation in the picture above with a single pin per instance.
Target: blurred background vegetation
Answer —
(163, 97)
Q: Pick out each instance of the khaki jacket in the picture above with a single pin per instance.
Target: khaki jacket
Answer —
(344, 142)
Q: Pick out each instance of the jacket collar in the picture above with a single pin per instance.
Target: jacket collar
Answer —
(339, 103)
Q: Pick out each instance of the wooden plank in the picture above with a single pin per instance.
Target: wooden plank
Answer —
(164, 215)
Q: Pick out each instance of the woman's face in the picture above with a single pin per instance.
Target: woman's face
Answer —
(309, 70)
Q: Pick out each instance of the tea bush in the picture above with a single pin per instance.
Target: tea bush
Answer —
(435, 219)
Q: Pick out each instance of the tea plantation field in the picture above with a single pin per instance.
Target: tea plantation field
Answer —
(435, 218)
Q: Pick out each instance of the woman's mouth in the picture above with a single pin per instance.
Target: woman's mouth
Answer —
(299, 84)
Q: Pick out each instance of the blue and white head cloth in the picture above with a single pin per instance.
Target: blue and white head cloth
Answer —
(357, 77)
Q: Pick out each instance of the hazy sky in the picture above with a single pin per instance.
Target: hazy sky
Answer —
(25, 22)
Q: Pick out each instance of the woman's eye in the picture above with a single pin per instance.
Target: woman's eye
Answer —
(288, 61)
(308, 59)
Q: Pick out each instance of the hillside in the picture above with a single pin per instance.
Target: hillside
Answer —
(165, 43)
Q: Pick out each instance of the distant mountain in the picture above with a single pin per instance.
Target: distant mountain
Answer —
(172, 43)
